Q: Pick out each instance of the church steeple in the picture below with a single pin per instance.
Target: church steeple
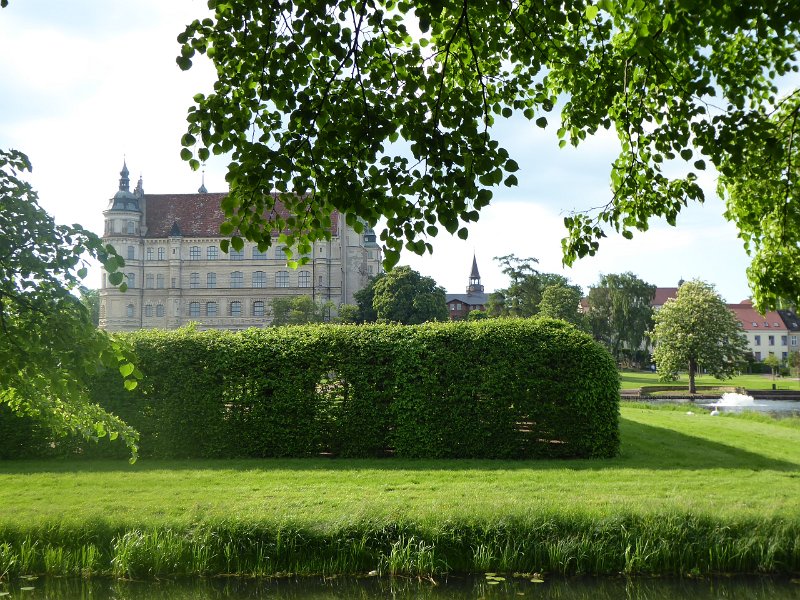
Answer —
(474, 279)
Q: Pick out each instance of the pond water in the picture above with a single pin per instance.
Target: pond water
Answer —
(452, 588)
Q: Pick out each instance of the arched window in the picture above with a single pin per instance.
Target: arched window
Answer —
(149, 281)
(304, 279)
(129, 310)
(211, 309)
(237, 279)
(237, 254)
(282, 279)
(211, 280)
(131, 227)
(259, 279)
(161, 254)
(236, 308)
(149, 254)
(258, 254)
(194, 309)
(159, 310)
(131, 280)
(212, 253)
(258, 308)
(148, 310)
(194, 280)
(160, 281)
(131, 252)
(194, 253)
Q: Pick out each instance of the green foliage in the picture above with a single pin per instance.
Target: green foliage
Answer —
(523, 296)
(349, 313)
(438, 390)
(562, 302)
(402, 295)
(90, 298)
(300, 310)
(364, 300)
(696, 330)
(50, 347)
(773, 362)
(477, 315)
(620, 312)
(386, 108)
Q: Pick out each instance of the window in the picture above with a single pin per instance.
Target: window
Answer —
(131, 280)
(159, 310)
(757, 355)
(304, 279)
(131, 252)
(194, 280)
(794, 340)
(148, 310)
(237, 254)
(757, 340)
(194, 253)
(258, 254)
(237, 279)
(148, 281)
(211, 309)
(279, 252)
(129, 310)
(282, 279)
(784, 355)
(783, 340)
(212, 253)
(131, 227)
(160, 281)
(116, 226)
(236, 308)
(452, 307)
(755, 324)
(766, 324)
(258, 308)
(160, 254)
(149, 254)
(775, 325)
(259, 279)
(320, 281)
(211, 280)
(458, 306)
(194, 309)
(772, 340)
(174, 282)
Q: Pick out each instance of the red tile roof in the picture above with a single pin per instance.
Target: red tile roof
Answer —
(749, 315)
(662, 295)
(197, 215)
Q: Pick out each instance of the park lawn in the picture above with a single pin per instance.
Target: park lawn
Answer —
(669, 461)
(678, 477)
(636, 379)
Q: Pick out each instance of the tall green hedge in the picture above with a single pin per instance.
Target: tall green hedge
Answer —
(490, 389)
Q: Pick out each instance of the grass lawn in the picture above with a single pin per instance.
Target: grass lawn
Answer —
(688, 493)
(637, 379)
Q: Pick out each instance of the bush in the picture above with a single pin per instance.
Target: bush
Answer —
(491, 389)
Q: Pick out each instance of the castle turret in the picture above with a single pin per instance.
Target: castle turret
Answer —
(474, 286)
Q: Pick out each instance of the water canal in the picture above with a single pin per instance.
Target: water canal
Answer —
(452, 588)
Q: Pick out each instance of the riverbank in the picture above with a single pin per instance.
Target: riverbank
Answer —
(689, 494)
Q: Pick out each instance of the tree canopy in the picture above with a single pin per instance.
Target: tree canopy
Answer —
(402, 295)
(523, 296)
(49, 346)
(697, 330)
(299, 310)
(620, 312)
(384, 108)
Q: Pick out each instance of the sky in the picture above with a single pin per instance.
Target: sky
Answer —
(86, 84)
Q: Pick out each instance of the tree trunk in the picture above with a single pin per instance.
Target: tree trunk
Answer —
(692, 371)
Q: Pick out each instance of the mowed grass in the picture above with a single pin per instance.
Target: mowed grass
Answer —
(688, 493)
(636, 379)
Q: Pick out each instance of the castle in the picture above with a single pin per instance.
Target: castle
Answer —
(176, 272)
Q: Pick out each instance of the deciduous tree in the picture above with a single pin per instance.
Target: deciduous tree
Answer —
(697, 330)
(524, 293)
(562, 302)
(384, 108)
(620, 312)
(402, 295)
(299, 310)
(49, 345)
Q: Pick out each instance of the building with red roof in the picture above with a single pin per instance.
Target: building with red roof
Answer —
(176, 272)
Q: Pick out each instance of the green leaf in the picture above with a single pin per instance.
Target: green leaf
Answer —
(541, 122)
(591, 12)
(126, 369)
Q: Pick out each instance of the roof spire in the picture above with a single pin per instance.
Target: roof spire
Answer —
(139, 191)
(124, 182)
(474, 278)
(202, 189)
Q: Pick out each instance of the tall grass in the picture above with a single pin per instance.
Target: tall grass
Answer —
(562, 544)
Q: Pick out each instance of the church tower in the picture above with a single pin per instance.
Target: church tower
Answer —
(474, 286)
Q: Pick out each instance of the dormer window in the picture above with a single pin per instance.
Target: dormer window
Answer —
(766, 324)
(775, 325)
(755, 324)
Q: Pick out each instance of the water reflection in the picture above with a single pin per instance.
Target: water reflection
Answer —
(454, 588)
